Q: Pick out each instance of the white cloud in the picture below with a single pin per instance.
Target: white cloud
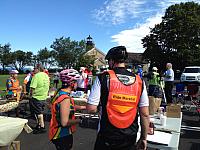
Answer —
(132, 38)
(118, 11)
(166, 3)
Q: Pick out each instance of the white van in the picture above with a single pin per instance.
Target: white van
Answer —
(191, 74)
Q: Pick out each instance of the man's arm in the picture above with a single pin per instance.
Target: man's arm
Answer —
(91, 108)
(24, 88)
(94, 97)
(144, 121)
(33, 85)
(31, 92)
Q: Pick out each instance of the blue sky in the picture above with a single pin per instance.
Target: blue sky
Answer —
(31, 25)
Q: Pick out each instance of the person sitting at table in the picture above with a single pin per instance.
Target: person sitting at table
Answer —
(13, 85)
(63, 121)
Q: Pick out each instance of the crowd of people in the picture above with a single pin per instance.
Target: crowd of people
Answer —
(120, 96)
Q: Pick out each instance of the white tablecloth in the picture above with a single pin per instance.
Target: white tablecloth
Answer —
(10, 128)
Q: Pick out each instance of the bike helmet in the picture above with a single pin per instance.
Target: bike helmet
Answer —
(118, 53)
(69, 75)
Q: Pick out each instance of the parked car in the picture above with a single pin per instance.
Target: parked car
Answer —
(191, 74)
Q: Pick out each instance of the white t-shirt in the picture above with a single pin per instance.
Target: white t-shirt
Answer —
(27, 78)
(94, 97)
(81, 80)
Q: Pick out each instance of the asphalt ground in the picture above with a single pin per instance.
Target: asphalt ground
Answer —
(84, 138)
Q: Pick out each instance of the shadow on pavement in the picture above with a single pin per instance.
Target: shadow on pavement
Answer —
(195, 146)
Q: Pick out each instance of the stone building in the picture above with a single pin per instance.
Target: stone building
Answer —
(97, 54)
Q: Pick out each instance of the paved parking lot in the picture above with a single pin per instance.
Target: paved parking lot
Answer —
(84, 138)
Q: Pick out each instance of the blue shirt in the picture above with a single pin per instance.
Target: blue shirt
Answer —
(169, 75)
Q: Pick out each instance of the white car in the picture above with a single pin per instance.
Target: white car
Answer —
(191, 74)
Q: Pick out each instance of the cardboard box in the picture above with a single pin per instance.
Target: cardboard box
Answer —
(173, 111)
(154, 104)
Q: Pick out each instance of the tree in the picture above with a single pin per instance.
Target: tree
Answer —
(67, 52)
(177, 37)
(84, 60)
(5, 55)
(21, 59)
(43, 56)
(18, 59)
(29, 57)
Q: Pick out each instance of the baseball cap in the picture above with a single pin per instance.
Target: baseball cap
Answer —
(14, 72)
(154, 68)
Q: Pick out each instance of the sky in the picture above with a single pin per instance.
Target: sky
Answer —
(31, 25)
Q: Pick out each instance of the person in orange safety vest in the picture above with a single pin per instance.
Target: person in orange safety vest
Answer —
(13, 85)
(121, 96)
(63, 121)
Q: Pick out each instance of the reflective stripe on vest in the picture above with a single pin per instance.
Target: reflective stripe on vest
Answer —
(123, 101)
(54, 126)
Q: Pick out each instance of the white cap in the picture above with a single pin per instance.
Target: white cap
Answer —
(154, 68)
(82, 68)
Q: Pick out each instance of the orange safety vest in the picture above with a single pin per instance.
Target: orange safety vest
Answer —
(54, 128)
(15, 84)
(123, 101)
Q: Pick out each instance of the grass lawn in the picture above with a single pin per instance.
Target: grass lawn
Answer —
(3, 79)
(21, 77)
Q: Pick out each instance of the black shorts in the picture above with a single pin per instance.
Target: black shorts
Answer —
(63, 143)
(154, 90)
(37, 106)
(103, 143)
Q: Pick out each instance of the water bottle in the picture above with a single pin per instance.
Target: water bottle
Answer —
(151, 128)
(161, 112)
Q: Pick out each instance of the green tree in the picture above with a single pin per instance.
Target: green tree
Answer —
(177, 37)
(29, 57)
(34, 60)
(89, 47)
(21, 59)
(68, 52)
(84, 60)
(5, 55)
(43, 56)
